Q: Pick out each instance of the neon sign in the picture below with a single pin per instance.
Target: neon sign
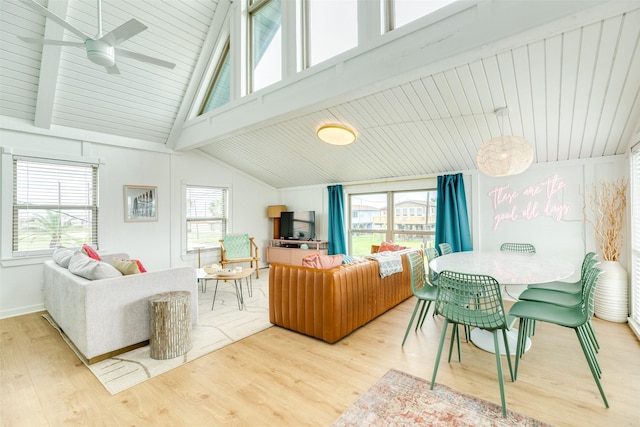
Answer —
(537, 200)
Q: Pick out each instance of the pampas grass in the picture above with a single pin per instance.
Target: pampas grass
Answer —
(608, 203)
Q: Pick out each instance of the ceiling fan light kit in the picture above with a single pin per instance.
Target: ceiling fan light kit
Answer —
(100, 53)
(101, 50)
(504, 155)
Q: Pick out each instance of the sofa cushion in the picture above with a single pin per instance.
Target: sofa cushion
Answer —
(83, 266)
(90, 252)
(322, 261)
(126, 266)
(62, 256)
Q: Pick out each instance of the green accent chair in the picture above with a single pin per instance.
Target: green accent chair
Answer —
(421, 288)
(445, 249)
(238, 248)
(576, 318)
(458, 305)
(523, 248)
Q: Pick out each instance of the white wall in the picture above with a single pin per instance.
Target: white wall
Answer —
(157, 244)
(545, 206)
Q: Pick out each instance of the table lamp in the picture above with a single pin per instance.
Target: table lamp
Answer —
(274, 212)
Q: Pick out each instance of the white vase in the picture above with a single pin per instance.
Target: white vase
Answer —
(612, 296)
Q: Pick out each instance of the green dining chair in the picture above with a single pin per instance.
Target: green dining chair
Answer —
(432, 277)
(431, 254)
(566, 294)
(568, 287)
(575, 318)
(445, 248)
(455, 303)
(523, 248)
(565, 299)
(422, 289)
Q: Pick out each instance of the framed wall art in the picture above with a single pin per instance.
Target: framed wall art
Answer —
(140, 203)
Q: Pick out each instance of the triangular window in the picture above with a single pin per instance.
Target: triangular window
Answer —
(220, 91)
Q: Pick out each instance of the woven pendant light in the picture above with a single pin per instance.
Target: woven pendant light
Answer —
(504, 155)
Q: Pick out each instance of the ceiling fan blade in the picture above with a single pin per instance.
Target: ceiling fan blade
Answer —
(144, 58)
(46, 12)
(124, 32)
(51, 42)
(112, 69)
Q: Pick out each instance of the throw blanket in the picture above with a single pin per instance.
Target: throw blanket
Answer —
(388, 262)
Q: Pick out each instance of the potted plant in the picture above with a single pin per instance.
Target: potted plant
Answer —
(608, 203)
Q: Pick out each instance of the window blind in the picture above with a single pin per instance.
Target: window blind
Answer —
(206, 214)
(55, 203)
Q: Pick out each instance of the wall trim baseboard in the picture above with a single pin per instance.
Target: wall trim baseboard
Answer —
(5, 314)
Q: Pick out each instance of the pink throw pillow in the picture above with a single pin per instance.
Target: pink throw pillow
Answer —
(90, 252)
(388, 246)
(330, 261)
(322, 261)
(140, 267)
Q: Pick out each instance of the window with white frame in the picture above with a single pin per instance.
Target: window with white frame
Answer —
(331, 28)
(635, 239)
(220, 90)
(265, 23)
(55, 204)
(401, 12)
(206, 214)
(411, 225)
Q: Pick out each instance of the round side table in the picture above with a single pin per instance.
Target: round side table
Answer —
(170, 328)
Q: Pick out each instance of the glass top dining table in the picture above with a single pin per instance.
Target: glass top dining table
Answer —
(508, 268)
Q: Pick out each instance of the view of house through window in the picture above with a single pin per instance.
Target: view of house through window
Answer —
(206, 214)
(266, 44)
(407, 218)
(54, 204)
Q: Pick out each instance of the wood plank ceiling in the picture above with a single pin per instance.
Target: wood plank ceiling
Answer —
(574, 94)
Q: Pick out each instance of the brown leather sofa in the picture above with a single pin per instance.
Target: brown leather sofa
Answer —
(330, 304)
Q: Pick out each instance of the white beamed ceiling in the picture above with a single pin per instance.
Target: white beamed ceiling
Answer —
(572, 87)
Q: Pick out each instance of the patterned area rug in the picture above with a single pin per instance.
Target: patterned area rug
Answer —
(216, 328)
(400, 399)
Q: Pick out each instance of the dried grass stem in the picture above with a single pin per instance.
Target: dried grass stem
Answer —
(608, 203)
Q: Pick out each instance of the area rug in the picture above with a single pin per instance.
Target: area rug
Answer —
(400, 399)
(216, 328)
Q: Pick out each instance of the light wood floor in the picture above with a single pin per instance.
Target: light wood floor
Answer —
(278, 377)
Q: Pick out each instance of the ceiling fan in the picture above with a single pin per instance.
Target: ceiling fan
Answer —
(102, 49)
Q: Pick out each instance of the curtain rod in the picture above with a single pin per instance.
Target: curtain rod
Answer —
(389, 181)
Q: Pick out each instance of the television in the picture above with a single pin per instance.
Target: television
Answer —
(300, 225)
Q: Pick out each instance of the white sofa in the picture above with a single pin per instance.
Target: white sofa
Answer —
(109, 316)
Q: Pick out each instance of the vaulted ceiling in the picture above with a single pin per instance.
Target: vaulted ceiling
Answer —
(421, 103)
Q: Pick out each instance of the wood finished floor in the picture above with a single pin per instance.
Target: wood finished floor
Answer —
(282, 378)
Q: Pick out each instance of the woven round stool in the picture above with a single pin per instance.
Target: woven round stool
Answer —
(170, 328)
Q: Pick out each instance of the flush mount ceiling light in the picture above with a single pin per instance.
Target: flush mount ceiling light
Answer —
(336, 135)
(504, 155)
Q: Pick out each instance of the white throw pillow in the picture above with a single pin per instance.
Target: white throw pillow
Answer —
(62, 256)
(82, 265)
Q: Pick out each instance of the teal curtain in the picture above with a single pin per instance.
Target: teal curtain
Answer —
(452, 219)
(337, 240)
